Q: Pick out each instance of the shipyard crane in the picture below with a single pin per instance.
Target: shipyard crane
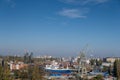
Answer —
(82, 62)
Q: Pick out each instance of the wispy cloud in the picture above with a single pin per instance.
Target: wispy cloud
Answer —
(84, 2)
(79, 13)
(73, 13)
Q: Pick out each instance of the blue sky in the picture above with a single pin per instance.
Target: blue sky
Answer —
(60, 27)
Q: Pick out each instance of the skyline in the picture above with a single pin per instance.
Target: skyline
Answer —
(60, 27)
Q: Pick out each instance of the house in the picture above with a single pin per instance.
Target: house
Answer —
(17, 65)
(111, 59)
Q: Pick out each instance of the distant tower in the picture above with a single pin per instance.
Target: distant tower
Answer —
(26, 57)
(30, 57)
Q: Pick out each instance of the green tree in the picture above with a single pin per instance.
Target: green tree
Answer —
(23, 74)
(98, 62)
(98, 77)
(32, 72)
(92, 62)
(37, 73)
(5, 73)
(105, 69)
(117, 69)
(16, 74)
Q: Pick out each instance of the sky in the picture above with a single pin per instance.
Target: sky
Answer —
(60, 27)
